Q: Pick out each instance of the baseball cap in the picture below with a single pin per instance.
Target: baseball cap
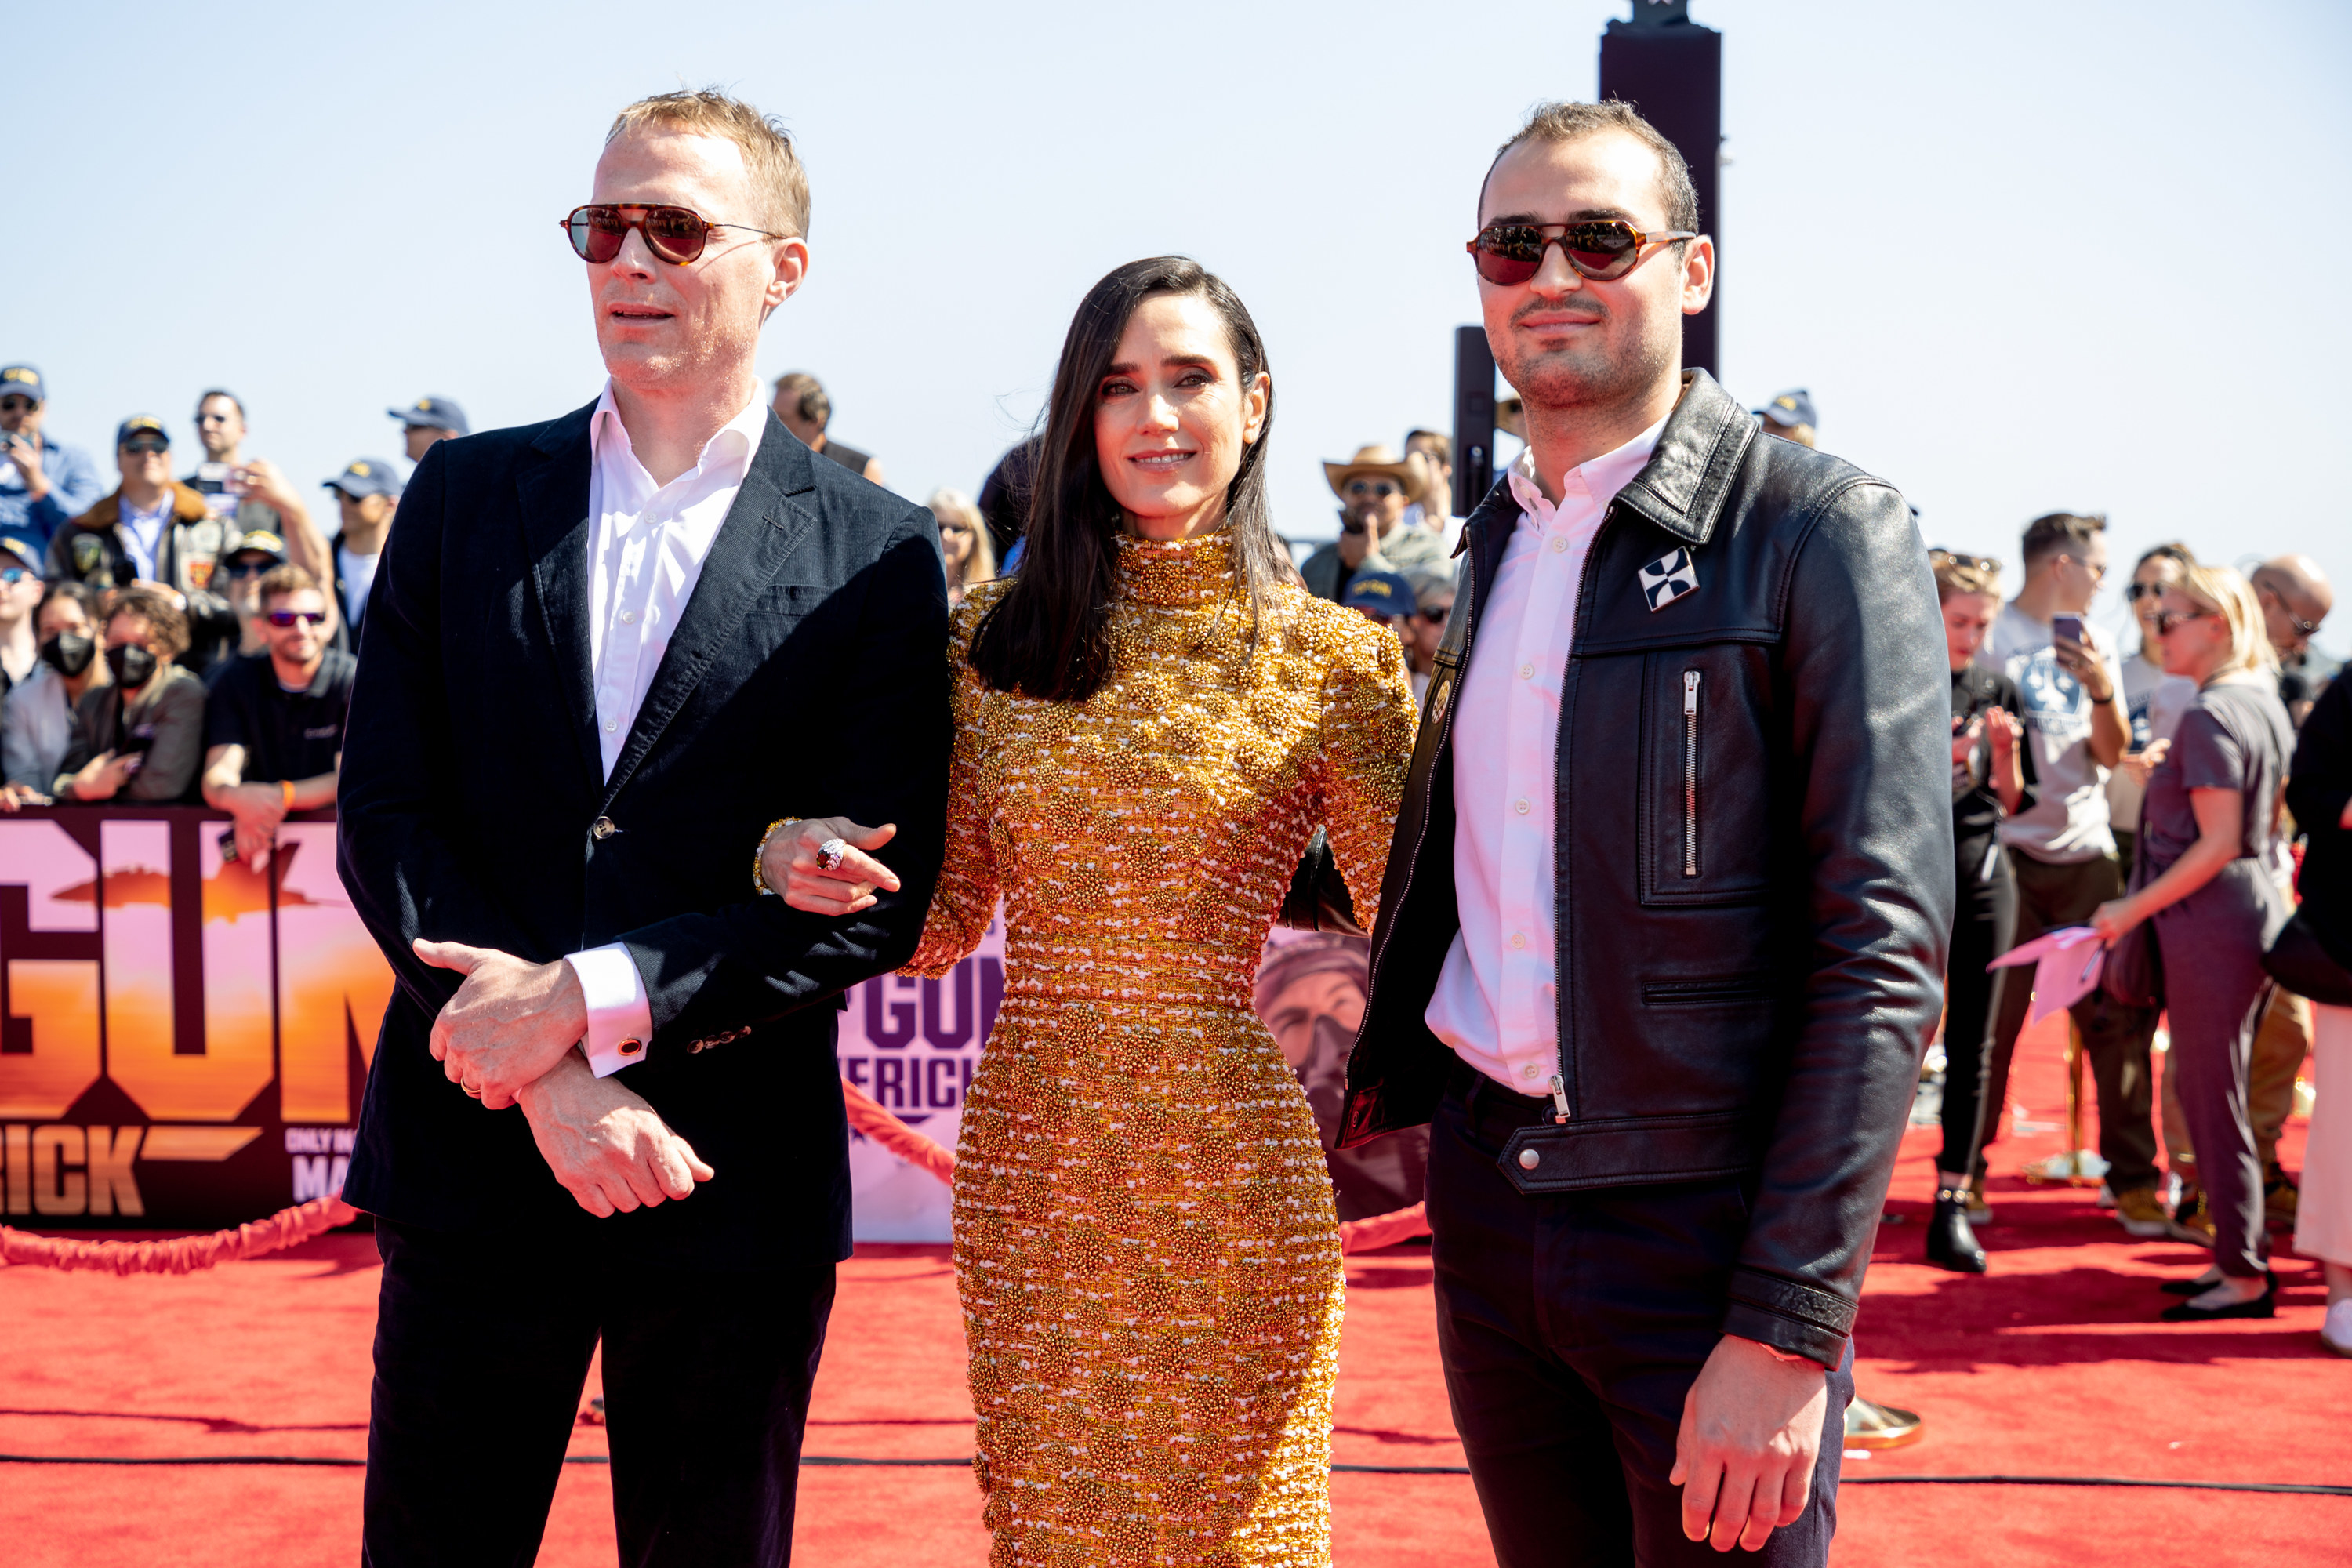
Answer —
(437, 413)
(1792, 409)
(1382, 592)
(364, 477)
(141, 424)
(23, 380)
(21, 550)
(262, 540)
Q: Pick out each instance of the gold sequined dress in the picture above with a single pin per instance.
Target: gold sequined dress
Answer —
(1145, 1243)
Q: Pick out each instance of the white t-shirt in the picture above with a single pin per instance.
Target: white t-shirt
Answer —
(2153, 704)
(358, 572)
(2068, 822)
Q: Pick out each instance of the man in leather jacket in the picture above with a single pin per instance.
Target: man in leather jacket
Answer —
(1662, 935)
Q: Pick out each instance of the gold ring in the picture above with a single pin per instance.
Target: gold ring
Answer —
(474, 1092)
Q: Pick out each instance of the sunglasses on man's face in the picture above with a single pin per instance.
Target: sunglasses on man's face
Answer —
(1436, 617)
(1600, 250)
(674, 235)
(1380, 488)
(282, 619)
(147, 445)
(243, 569)
(17, 406)
(12, 575)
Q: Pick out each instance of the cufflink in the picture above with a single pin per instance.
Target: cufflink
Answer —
(630, 1048)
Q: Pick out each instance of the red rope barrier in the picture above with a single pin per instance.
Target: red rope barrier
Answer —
(183, 1254)
(869, 1118)
(288, 1227)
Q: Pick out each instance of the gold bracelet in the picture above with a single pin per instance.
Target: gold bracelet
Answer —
(759, 874)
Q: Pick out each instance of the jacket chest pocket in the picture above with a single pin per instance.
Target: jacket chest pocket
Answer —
(1705, 800)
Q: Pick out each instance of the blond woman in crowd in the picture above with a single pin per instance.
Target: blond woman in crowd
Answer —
(964, 548)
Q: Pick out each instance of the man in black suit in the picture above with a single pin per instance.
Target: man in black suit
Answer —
(601, 655)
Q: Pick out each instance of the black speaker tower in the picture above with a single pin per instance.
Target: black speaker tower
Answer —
(1671, 69)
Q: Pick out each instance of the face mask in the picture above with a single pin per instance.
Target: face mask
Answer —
(132, 664)
(70, 652)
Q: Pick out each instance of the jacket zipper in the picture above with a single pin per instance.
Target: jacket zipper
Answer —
(1690, 773)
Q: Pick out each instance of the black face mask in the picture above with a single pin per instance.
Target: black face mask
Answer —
(132, 664)
(70, 652)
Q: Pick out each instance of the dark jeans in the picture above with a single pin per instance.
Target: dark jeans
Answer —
(1571, 1326)
(482, 1347)
(1984, 922)
(2115, 1038)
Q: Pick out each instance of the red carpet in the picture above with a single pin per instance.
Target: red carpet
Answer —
(2051, 1365)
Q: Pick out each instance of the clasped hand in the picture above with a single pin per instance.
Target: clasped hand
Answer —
(508, 1035)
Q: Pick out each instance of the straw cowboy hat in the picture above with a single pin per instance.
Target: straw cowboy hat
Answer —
(1410, 476)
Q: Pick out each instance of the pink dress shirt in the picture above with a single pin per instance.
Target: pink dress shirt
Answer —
(1496, 1002)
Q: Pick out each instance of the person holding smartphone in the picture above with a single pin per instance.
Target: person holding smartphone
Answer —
(2061, 846)
(44, 484)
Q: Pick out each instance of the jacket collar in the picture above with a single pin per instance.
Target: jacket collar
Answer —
(1682, 487)
(1688, 478)
(762, 528)
(187, 506)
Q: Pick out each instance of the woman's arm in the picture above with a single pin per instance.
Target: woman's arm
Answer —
(1367, 732)
(2221, 824)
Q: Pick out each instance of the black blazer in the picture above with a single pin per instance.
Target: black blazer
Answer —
(806, 676)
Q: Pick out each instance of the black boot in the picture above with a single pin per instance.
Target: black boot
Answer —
(1950, 1243)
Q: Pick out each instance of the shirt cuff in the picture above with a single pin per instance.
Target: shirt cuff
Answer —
(620, 1018)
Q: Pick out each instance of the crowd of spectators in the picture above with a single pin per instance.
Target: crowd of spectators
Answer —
(181, 639)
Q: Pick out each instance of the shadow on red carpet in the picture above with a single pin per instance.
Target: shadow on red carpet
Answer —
(2052, 1364)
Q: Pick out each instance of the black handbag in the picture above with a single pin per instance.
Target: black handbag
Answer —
(1318, 899)
(2300, 961)
(2134, 972)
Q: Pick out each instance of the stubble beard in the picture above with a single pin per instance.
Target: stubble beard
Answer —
(1594, 373)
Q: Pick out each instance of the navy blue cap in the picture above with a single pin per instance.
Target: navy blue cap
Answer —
(21, 550)
(363, 477)
(434, 412)
(141, 424)
(1792, 409)
(23, 380)
(1382, 592)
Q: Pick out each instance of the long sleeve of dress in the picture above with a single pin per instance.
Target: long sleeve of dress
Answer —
(1368, 724)
(969, 884)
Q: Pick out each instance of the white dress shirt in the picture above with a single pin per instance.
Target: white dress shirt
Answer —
(645, 557)
(1496, 1002)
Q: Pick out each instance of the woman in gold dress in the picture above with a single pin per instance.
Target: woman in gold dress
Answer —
(1151, 723)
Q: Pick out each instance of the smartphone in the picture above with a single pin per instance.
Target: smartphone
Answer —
(2068, 629)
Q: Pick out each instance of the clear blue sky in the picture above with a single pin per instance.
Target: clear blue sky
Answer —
(2026, 257)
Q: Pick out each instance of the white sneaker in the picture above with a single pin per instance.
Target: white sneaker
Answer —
(2335, 1332)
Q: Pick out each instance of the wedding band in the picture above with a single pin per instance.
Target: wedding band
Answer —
(829, 854)
(474, 1092)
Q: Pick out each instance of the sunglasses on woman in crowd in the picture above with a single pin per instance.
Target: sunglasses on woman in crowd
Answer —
(674, 235)
(1600, 249)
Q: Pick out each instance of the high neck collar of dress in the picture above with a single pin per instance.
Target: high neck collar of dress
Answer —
(1195, 571)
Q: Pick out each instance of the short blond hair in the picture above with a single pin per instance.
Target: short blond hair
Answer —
(777, 176)
(2228, 596)
(1963, 575)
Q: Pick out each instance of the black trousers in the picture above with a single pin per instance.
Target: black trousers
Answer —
(1983, 922)
(1572, 1325)
(2115, 1038)
(482, 1347)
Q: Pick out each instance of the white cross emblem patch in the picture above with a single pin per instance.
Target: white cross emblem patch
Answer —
(1668, 578)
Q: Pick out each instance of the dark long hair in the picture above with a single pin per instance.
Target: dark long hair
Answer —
(1049, 636)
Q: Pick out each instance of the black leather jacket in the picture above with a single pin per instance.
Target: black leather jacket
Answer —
(1753, 858)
